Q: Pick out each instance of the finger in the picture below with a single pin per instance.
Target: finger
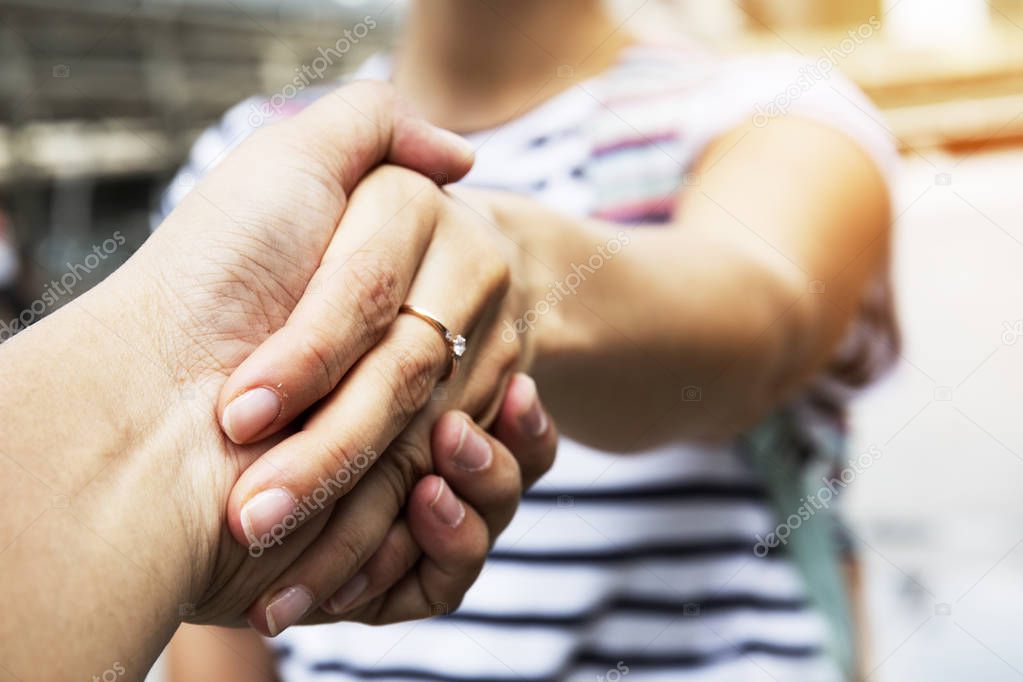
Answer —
(361, 124)
(323, 152)
(526, 429)
(439, 154)
(391, 585)
(379, 258)
(454, 541)
(397, 555)
(353, 533)
(377, 399)
(479, 469)
(351, 300)
(343, 439)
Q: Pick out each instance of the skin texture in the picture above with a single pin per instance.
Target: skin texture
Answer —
(776, 209)
(424, 559)
(734, 269)
(115, 468)
(744, 330)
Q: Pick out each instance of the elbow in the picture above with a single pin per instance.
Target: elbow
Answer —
(811, 321)
(788, 339)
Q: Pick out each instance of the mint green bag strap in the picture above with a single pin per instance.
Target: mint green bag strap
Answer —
(776, 455)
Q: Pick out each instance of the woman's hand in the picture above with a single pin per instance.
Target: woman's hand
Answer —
(121, 432)
(432, 554)
(373, 376)
(452, 518)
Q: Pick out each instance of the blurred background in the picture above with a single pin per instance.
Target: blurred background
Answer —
(100, 102)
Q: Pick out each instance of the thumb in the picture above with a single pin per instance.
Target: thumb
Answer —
(362, 124)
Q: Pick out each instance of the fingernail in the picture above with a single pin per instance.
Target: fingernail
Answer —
(347, 594)
(448, 509)
(265, 513)
(250, 413)
(473, 452)
(286, 608)
(534, 420)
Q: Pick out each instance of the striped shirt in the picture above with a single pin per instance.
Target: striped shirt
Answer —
(640, 566)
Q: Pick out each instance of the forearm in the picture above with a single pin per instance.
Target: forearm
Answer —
(212, 654)
(96, 554)
(699, 328)
(644, 335)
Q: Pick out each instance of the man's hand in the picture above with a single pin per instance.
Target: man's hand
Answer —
(429, 559)
(109, 403)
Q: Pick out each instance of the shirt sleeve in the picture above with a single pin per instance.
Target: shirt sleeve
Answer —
(758, 89)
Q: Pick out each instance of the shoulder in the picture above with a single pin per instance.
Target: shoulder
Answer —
(716, 95)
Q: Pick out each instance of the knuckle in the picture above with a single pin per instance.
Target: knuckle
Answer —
(477, 552)
(448, 598)
(349, 546)
(508, 481)
(495, 366)
(374, 287)
(412, 377)
(398, 555)
(409, 192)
(509, 355)
(446, 603)
(334, 459)
(319, 358)
(378, 99)
(405, 464)
(499, 277)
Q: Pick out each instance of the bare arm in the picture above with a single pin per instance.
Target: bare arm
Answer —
(213, 654)
(95, 535)
(114, 471)
(720, 304)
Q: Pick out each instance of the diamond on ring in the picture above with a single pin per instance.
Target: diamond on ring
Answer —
(456, 343)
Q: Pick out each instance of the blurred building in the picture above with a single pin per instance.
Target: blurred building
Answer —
(100, 101)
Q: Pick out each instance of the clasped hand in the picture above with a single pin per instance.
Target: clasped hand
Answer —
(358, 484)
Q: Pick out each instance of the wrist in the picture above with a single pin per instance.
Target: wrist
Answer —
(97, 431)
(540, 298)
(166, 432)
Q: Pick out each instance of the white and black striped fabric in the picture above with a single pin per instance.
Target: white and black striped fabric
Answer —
(638, 566)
